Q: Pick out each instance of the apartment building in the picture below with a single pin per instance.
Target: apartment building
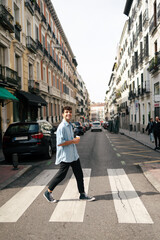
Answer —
(97, 112)
(37, 65)
(135, 82)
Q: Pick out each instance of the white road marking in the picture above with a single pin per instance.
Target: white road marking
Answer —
(128, 205)
(13, 209)
(70, 208)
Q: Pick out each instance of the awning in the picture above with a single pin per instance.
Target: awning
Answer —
(5, 94)
(32, 99)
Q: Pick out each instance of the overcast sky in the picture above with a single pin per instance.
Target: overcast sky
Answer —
(93, 29)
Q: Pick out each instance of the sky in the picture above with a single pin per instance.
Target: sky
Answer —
(93, 29)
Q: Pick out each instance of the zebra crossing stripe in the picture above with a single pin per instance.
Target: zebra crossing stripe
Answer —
(13, 209)
(70, 208)
(128, 205)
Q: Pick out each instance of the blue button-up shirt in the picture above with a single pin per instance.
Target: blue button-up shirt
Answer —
(65, 153)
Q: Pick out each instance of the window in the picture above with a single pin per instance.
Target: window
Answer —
(44, 74)
(43, 41)
(48, 47)
(28, 28)
(36, 33)
(156, 89)
(30, 71)
(38, 71)
(18, 64)
(47, 17)
(54, 82)
(51, 25)
(49, 78)
(41, 6)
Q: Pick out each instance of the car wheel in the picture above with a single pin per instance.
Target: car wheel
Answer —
(49, 152)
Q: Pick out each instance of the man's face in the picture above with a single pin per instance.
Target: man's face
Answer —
(157, 119)
(67, 115)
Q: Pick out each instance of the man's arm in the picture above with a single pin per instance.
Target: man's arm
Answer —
(74, 141)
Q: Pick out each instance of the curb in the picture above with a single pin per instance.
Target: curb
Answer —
(155, 183)
(13, 178)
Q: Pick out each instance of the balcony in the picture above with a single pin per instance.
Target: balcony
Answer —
(37, 8)
(31, 44)
(10, 77)
(43, 19)
(131, 95)
(6, 19)
(39, 45)
(154, 64)
(28, 5)
(33, 86)
(145, 17)
(152, 24)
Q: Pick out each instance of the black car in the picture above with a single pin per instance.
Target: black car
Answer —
(77, 128)
(29, 138)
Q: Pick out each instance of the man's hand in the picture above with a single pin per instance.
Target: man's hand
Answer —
(76, 140)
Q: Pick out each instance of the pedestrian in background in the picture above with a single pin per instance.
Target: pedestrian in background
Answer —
(67, 156)
(149, 128)
(156, 131)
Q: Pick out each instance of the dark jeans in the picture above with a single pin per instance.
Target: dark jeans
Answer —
(157, 135)
(77, 170)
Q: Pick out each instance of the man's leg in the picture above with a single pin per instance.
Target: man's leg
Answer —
(77, 170)
(56, 180)
(155, 138)
(59, 176)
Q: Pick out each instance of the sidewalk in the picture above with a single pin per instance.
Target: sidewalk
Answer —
(8, 174)
(150, 169)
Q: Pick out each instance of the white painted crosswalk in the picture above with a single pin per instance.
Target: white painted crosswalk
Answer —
(13, 209)
(69, 208)
(128, 206)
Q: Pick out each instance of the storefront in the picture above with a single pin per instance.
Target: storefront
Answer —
(7, 100)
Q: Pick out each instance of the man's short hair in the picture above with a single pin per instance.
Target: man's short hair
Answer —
(66, 108)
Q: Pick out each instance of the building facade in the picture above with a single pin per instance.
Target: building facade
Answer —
(136, 72)
(37, 65)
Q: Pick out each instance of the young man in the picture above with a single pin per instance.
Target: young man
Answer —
(67, 156)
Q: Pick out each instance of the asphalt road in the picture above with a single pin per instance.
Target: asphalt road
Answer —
(126, 207)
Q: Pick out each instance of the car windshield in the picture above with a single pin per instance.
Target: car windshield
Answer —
(96, 123)
(22, 128)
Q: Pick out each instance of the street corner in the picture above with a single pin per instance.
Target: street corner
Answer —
(9, 174)
(151, 170)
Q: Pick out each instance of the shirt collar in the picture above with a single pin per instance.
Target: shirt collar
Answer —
(66, 123)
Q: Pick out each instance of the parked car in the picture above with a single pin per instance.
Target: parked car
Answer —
(29, 138)
(77, 128)
(96, 126)
(105, 125)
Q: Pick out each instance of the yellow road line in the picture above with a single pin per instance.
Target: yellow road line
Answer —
(141, 155)
(147, 162)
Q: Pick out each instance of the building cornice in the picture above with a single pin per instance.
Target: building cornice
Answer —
(58, 24)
